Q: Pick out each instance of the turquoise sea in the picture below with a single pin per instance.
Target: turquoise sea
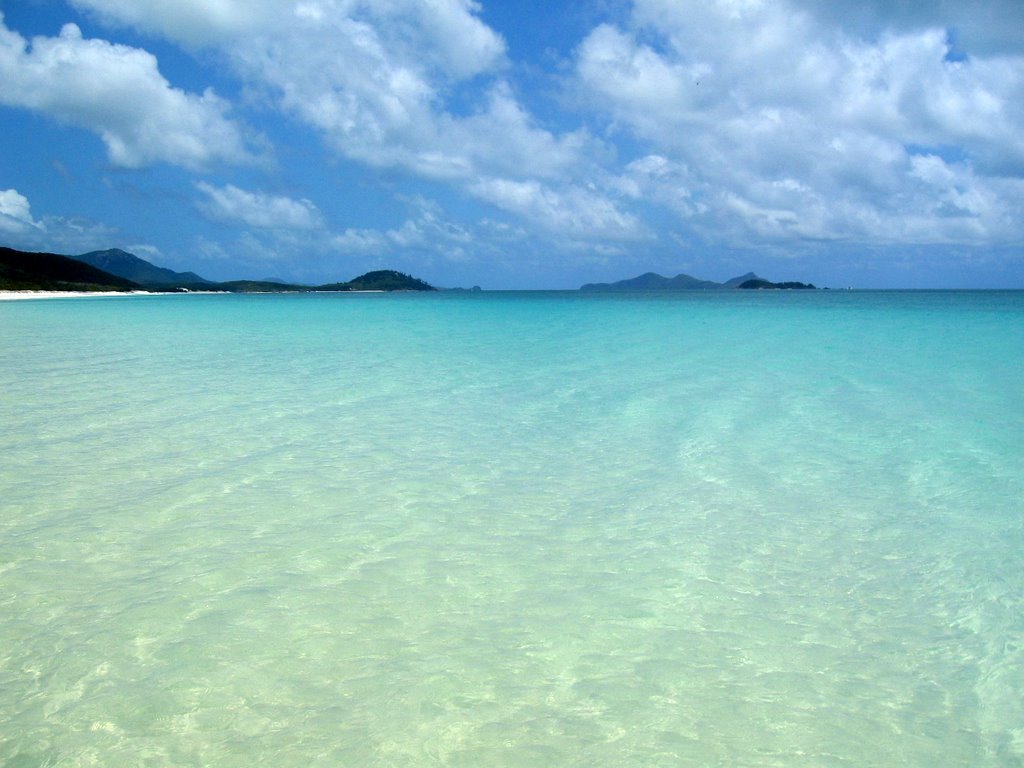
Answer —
(513, 529)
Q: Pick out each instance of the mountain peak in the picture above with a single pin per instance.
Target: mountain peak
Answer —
(652, 281)
(736, 281)
(131, 267)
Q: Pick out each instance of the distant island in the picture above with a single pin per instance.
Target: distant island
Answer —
(117, 270)
(650, 281)
(757, 284)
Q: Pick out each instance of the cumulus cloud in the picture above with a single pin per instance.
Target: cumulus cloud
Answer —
(257, 209)
(191, 22)
(983, 28)
(427, 229)
(375, 78)
(655, 177)
(446, 34)
(118, 93)
(502, 137)
(369, 74)
(374, 97)
(16, 213)
(790, 127)
(573, 212)
(48, 233)
(359, 241)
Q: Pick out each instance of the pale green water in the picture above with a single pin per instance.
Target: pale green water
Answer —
(513, 530)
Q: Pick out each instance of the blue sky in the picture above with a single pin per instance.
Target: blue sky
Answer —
(521, 144)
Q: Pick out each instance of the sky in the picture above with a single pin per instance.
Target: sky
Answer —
(521, 145)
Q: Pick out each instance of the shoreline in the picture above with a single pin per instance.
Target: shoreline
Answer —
(24, 295)
(28, 295)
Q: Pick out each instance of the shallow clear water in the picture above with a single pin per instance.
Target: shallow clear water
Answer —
(535, 529)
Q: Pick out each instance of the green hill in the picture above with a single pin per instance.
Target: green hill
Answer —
(115, 269)
(380, 280)
(762, 285)
(256, 286)
(26, 271)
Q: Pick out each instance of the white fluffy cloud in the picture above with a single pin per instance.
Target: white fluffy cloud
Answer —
(445, 34)
(15, 213)
(376, 78)
(118, 93)
(426, 230)
(574, 212)
(20, 229)
(983, 28)
(191, 22)
(655, 177)
(369, 74)
(257, 209)
(790, 128)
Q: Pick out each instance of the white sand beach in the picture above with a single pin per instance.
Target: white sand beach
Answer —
(17, 295)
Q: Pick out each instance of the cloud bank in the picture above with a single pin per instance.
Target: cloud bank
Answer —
(792, 130)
